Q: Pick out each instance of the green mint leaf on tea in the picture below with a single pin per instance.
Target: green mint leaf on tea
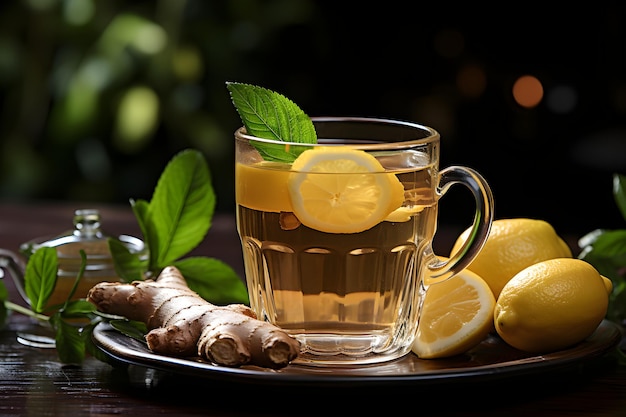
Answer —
(269, 115)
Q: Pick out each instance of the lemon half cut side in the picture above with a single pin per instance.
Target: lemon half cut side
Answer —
(342, 190)
(457, 315)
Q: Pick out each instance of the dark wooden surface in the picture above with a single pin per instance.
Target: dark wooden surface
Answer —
(34, 383)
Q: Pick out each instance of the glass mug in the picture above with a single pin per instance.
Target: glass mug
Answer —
(350, 295)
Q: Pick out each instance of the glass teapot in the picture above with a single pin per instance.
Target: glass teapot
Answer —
(86, 235)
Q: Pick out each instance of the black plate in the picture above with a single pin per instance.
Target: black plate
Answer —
(490, 360)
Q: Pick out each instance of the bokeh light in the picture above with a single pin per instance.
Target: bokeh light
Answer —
(78, 12)
(527, 91)
(137, 118)
(471, 81)
(562, 99)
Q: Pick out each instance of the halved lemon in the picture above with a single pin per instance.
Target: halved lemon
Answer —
(456, 316)
(342, 190)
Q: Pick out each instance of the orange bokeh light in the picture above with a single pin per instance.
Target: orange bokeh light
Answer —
(471, 81)
(527, 91)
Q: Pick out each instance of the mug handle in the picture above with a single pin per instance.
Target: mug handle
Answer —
(440, 270)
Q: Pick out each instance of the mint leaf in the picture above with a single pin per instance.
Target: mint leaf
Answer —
(180, 211)
(77, 309)
(270, 115)
(128, 266)
(213, 280)
(79, 276)
(41, 277)
(4, 295)
(606, 251)
(135, 329)
(70, 344)
(173, 223)
(140, 209)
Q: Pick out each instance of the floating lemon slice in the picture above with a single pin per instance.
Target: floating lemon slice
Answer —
(457, 315)
(263, 186)
(342, 190)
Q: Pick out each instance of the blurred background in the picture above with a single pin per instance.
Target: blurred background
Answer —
(96, 96)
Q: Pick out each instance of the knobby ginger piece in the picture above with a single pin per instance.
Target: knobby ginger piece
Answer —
(181, 323)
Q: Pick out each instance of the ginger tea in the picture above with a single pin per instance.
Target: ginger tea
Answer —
(315, 284)
(337, 235)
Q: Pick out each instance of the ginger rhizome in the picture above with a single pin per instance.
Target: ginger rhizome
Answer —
(181, 323)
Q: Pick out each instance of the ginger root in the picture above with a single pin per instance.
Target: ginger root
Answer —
(181, 323)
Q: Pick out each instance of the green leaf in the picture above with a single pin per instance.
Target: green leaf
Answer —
(134, 329)
(4, 295)
(148, 229)
(140, 210)
(619, 193)
(79, 276)
(181, 208)
(40, 277)
(606, 251)
(70, 344)
(588, 239)
(270, 115)
(90, 346)
(610, 244)
(617, 303)
(213, 280)
(4, 314)
(128, 266)
(78, 309)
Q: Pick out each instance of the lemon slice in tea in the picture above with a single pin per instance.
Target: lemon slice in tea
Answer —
(342, 190)
(456, 316)
(263, 186)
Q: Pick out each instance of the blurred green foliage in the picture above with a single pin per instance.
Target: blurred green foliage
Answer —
(97, 95)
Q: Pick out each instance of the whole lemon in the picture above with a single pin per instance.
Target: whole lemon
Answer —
(512, 245)
(551, 305)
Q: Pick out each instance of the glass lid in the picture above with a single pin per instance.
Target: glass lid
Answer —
(87, 235)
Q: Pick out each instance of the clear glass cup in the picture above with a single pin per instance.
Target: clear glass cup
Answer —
(349, 288)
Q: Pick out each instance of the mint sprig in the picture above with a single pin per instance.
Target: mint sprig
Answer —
(72, 340)
(173, 223)
(269, 115)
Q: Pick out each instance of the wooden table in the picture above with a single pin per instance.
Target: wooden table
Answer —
(34, 383)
